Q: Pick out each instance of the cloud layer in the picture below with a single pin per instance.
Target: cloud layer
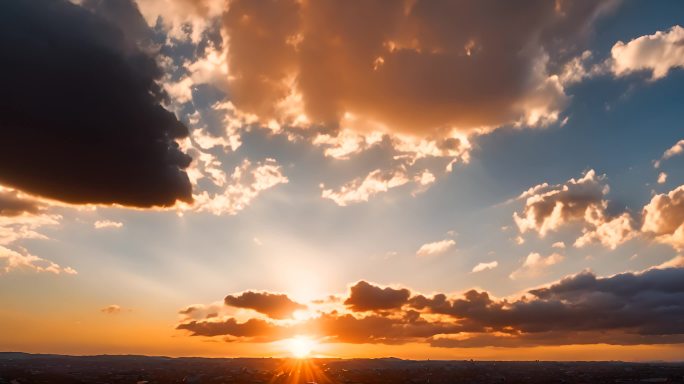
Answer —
(624, 309)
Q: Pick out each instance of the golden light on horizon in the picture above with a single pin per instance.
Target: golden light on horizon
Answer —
(301, 347)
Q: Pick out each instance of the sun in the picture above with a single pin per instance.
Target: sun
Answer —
(301, 346)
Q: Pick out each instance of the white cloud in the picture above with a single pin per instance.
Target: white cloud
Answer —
(673, 151)
(360, 190)
(435, 248)
(608, 232)
(535, 264)
(103, 224)
(485, 266)
(246, 183)
(663, 218)
(550, 207)
(11, 260)
(658, 53)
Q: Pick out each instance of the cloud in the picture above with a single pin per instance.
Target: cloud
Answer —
(485, 266)
(663, 218)
(25, 226)
(367, 297)
(608, 232)
(435, 248)
(624, 309)
(21, 218)
(184, 20)
(362, 189)
(673, 151)
(103, 224)
(658, 54)
(14, 261)
(83, 113)
(259, 329)
(246, 183)
(662, 178)
(550, 207)
(14, 203)
(478, 68)
(276, 306)
(111, 309)
(675, 262)
(535, 264)
(473, 74)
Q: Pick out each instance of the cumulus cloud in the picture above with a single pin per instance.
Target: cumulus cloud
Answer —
(485, 266)
(277, 306)
(663, 218)
(535, 264)
(658, 53)
(608, 232)
(87, 129)
(550, 207)
(435, 248)
(472, 75)
(246, 183)
(364, 296)
(103, 224)
(624, 309)
(11, 260)
(478, 68)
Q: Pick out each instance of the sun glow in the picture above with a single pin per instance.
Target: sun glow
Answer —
(301, 347)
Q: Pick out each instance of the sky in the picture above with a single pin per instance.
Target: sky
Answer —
(418, 179)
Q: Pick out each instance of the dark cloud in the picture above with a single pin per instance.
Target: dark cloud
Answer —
(252, 328)
(625, 309)
(367, 297)
(81, 116)
(13, 204)
(125, 15)
(273, 305)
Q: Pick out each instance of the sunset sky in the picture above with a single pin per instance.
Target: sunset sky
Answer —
(410, 178)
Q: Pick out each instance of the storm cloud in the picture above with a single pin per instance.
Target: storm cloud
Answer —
(82, 118)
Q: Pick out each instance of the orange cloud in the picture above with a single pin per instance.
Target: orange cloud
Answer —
(367, 297)
(663, 218)
(624, 309)
(276, 306)
(417, 67)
